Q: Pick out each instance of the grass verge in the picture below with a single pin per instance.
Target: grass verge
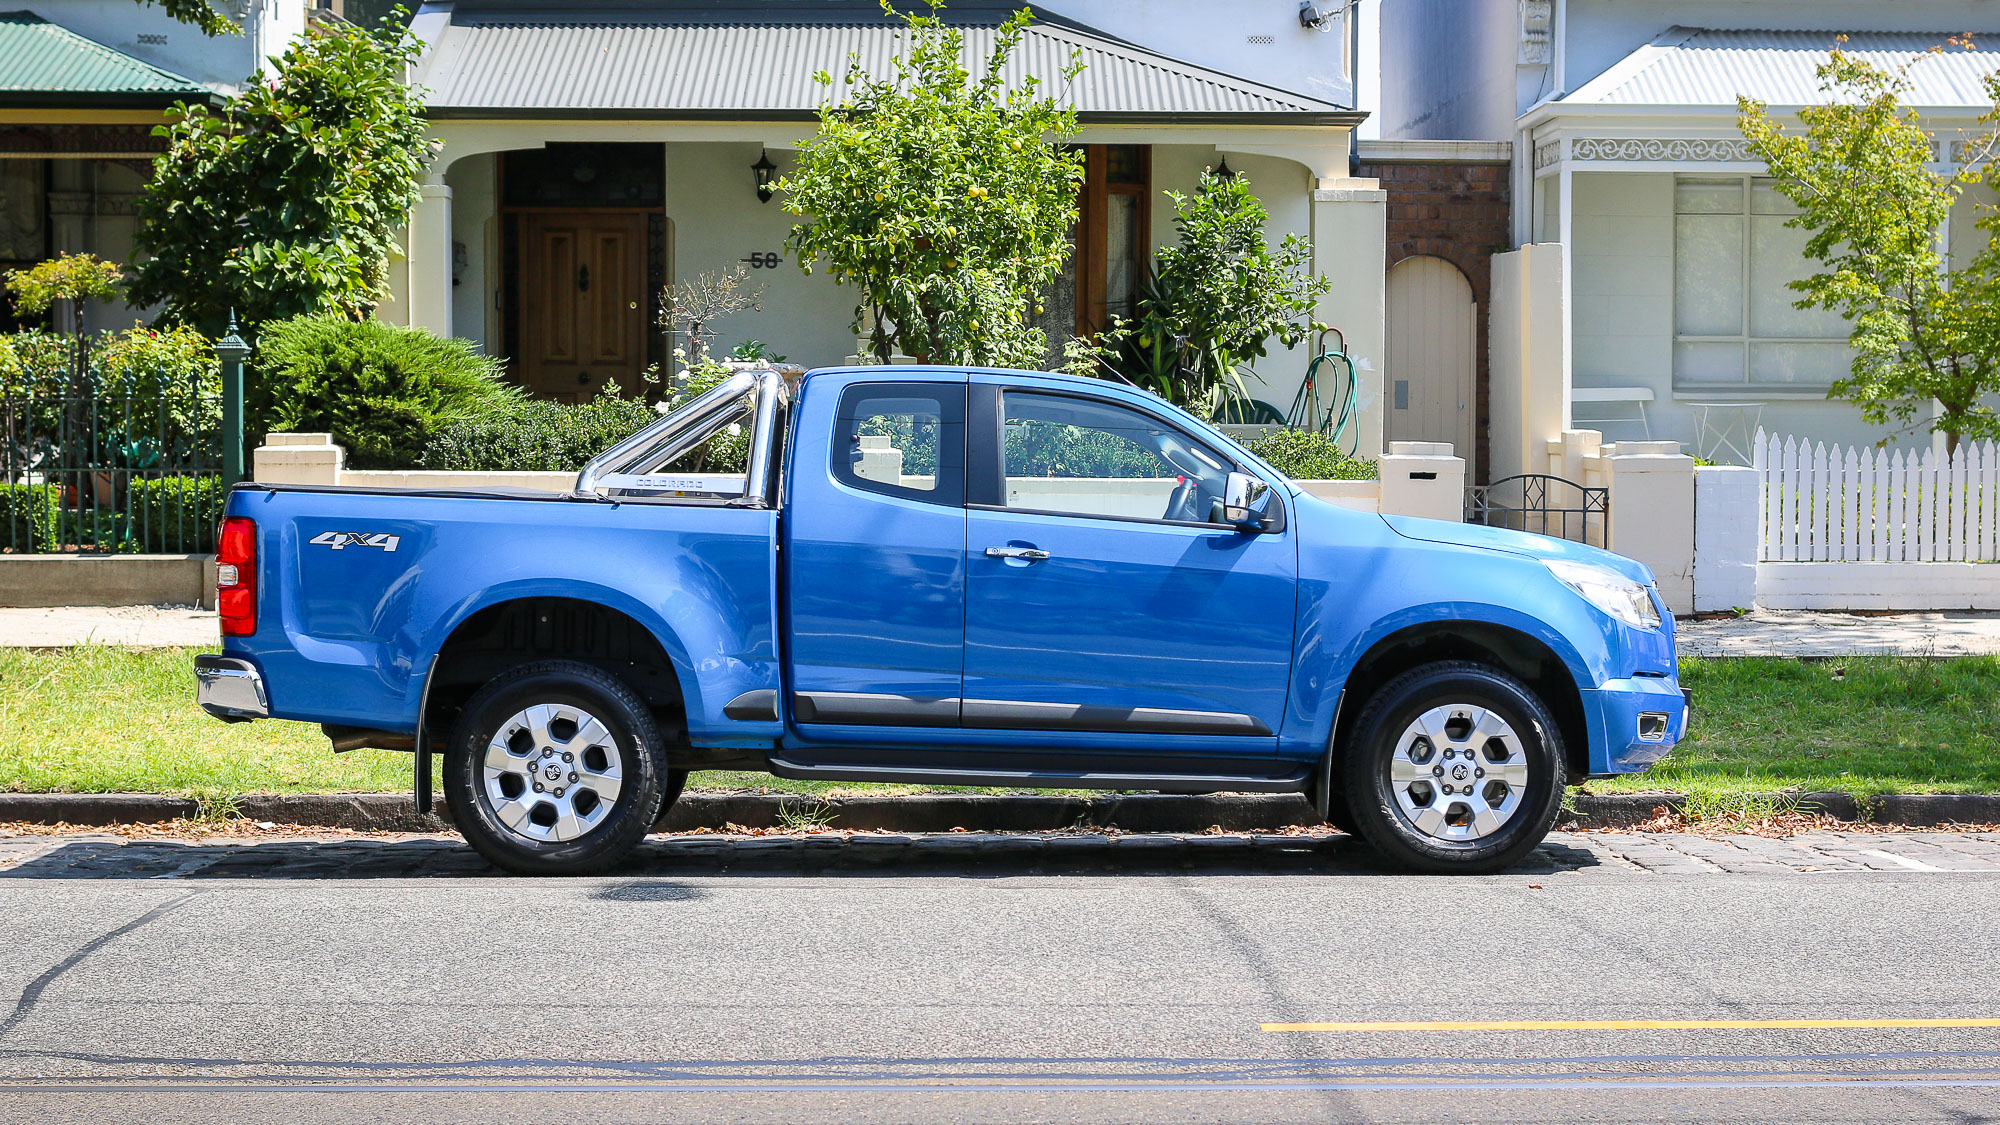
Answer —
(101, 719)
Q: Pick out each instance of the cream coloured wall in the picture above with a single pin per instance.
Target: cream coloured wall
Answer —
(1622, 295)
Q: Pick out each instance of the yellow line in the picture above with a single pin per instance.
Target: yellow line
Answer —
(1621, 1025)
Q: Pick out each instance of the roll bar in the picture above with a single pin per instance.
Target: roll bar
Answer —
(633, 464)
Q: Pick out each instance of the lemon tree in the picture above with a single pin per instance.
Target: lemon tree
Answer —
(943, 196)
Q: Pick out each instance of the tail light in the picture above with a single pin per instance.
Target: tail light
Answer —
(236, 577)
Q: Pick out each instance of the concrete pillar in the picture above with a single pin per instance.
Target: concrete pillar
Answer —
(1423, 478)
(1652, 512)
(429, 240)
(298, 459)
(1350, 230)
(1727, 520)
(1528, 357)
(880, 461)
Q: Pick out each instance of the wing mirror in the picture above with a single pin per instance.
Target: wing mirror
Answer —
(1246, 502)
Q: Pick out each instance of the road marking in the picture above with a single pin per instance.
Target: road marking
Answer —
(1906, 861)
(1621, 1025)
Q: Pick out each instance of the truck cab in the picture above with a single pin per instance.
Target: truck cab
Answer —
(942, 575)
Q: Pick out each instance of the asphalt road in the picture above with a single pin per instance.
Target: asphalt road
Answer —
(990, 993)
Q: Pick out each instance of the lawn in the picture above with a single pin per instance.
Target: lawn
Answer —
(109, 719)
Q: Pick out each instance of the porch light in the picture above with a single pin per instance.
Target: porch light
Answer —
(1223, 171)
(763, 169)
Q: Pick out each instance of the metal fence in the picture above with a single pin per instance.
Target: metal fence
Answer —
(89, 472)
(1542, 504)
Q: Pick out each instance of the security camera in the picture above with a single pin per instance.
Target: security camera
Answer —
(1318, 15)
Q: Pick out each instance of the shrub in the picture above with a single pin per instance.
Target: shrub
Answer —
(538, 436)
(175, 515)
(1311, 455)
(381, 390)
(30, 517)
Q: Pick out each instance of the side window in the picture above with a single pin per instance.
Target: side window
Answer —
(903, 439)
(1082, 457)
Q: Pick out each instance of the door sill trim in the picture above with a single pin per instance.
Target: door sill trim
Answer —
(1040, 778)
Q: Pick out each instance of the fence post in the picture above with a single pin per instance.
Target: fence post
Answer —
(232, 351)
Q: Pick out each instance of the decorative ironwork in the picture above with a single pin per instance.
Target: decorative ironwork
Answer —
(1541, 504)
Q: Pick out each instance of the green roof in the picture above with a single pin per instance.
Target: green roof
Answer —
(46, 65)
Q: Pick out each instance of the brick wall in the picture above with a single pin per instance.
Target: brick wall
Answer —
(1458, 212)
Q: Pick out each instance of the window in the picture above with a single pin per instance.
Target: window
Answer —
(1111, 235)
(903, 439)
(1734, 324)
(1082, 457)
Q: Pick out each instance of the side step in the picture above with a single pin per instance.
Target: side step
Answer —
(1041, 778)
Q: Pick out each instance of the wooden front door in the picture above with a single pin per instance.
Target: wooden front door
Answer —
(583, 302)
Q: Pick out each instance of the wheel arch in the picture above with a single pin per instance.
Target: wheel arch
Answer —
(1526, 657)
(513, 630)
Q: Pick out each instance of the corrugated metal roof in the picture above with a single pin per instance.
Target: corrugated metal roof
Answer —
(1689, 66)
(46, 64)
(757, 61)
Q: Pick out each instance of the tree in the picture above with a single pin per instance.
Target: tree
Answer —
(1213, 303)
(70, 278)
(945, 198)
(198, 13)
(287, 199)
(1861, 172)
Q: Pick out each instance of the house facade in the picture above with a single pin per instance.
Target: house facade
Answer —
(83, 83)
(1627, 155)
(590, 158)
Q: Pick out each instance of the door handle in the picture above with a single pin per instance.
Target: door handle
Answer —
(583, 279)
(1032, 554)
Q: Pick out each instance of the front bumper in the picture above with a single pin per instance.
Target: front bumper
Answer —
(230, 688)
(1634, 723)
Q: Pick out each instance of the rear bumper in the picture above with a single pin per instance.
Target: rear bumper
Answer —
(1634, 723)
(230, 688)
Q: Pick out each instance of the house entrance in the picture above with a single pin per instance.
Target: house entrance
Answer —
(585, 251)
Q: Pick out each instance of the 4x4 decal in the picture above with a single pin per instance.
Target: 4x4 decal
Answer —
(341, 540)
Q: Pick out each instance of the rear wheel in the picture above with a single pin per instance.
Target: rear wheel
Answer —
(554, 768)
(1455, 769)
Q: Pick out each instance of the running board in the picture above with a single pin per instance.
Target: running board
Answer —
(1041, 778)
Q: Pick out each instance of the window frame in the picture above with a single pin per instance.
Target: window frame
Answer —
(986, 458)
(1749, 386)
(951, 475)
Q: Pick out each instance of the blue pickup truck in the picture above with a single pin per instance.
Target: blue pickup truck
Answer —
(943, 576)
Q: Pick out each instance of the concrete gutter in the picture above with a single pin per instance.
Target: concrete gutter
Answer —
(1151, 812)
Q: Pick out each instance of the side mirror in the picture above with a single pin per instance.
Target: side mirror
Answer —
(1246, 502)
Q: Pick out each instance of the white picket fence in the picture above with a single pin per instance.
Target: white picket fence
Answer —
(1839, 504)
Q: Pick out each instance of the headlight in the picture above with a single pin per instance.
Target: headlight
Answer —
(1609, 591)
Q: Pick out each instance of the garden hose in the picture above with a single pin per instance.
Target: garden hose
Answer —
(1338, 416)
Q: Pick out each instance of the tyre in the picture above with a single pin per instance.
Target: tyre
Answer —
(677, 781)
(1455, 768)
(554, 768)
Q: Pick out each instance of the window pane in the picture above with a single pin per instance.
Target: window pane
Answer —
(1708, 275)
(1766, 199)
(1124, 164)
(1802, 365)
(1121, 252)
(1709, 363)
(903, 439)
(1694, 195)
(1778, 256)
(1093, 459)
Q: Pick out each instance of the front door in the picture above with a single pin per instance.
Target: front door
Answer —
(583, 303)
(1100, 599)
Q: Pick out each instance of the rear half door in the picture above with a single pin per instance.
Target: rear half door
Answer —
(875, 535)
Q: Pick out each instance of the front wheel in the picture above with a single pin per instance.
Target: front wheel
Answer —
(554, 768)
(1455, 768)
